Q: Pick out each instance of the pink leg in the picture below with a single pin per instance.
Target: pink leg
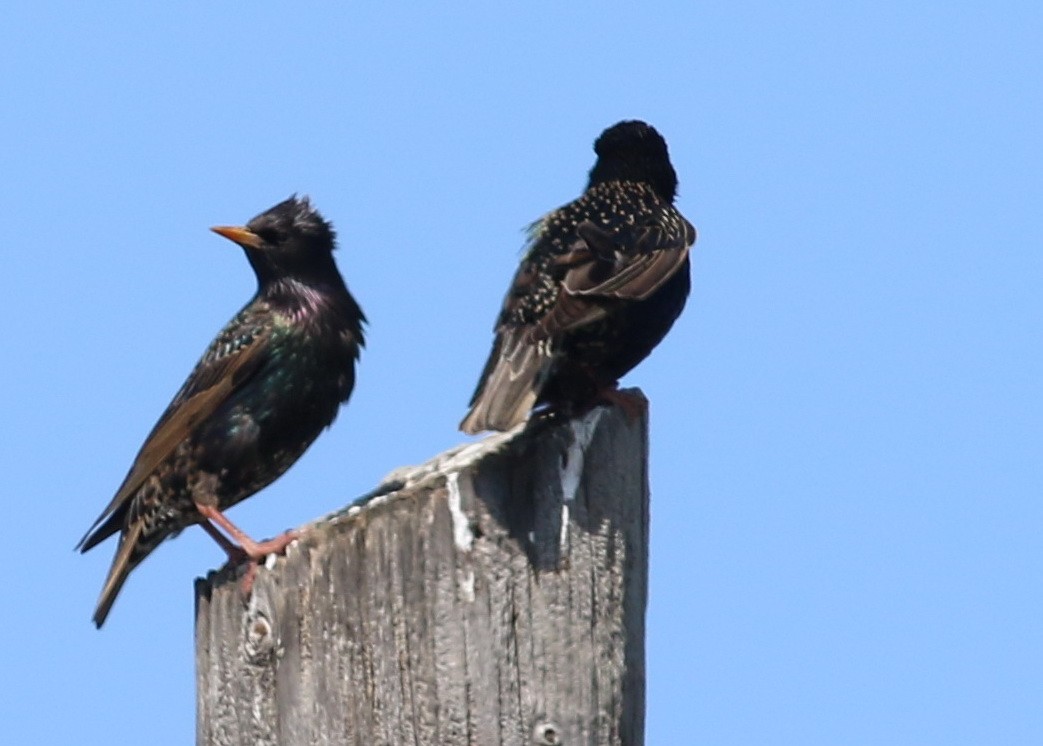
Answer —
(248, 550)
(633, 406)
(235, 553)
(253, 549)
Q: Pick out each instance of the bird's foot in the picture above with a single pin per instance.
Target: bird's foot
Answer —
(247, 551)
(258, 550)
(634, 406)
(255, 553)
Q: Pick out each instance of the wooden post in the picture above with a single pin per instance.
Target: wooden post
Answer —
(495, 595)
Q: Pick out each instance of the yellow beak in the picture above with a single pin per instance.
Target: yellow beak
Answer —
(242, 236)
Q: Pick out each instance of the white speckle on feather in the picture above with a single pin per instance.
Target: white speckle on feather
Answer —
(463, 536)
(582, 431)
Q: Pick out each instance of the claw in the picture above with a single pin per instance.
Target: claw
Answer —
(633, 406)
(247, 551)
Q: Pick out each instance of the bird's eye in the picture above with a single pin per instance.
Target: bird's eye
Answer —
(269, 235)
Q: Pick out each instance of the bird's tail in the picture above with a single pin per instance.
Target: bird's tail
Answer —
(508, 388)
(129, 555)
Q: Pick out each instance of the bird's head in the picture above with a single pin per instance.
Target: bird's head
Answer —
(634, 151)
(288, 241)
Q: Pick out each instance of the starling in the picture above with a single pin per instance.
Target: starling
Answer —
(263, 391)
(601, 283)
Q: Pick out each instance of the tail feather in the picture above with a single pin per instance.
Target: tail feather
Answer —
(102, 529)
(509, 388)
(129, 555)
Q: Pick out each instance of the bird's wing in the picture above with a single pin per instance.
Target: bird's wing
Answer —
(224, 369)
(601, 266)
(508, 386)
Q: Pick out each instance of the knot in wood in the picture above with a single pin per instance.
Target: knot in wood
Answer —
(260, 642)
(547, 733)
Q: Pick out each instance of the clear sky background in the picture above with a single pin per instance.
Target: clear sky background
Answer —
(847, 523)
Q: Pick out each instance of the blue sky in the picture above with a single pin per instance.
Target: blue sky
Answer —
(846, 422)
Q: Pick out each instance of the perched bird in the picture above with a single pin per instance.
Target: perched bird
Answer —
(264, 389)
(601, 283)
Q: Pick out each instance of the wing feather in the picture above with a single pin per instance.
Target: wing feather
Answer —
(608, 267)
(217, 376)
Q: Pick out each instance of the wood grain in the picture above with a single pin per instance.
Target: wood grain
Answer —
(495, 595)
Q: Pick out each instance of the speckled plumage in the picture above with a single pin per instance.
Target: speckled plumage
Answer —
(265, 388)
(601, 283)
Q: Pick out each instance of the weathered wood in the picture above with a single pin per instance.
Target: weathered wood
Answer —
(496, 596)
